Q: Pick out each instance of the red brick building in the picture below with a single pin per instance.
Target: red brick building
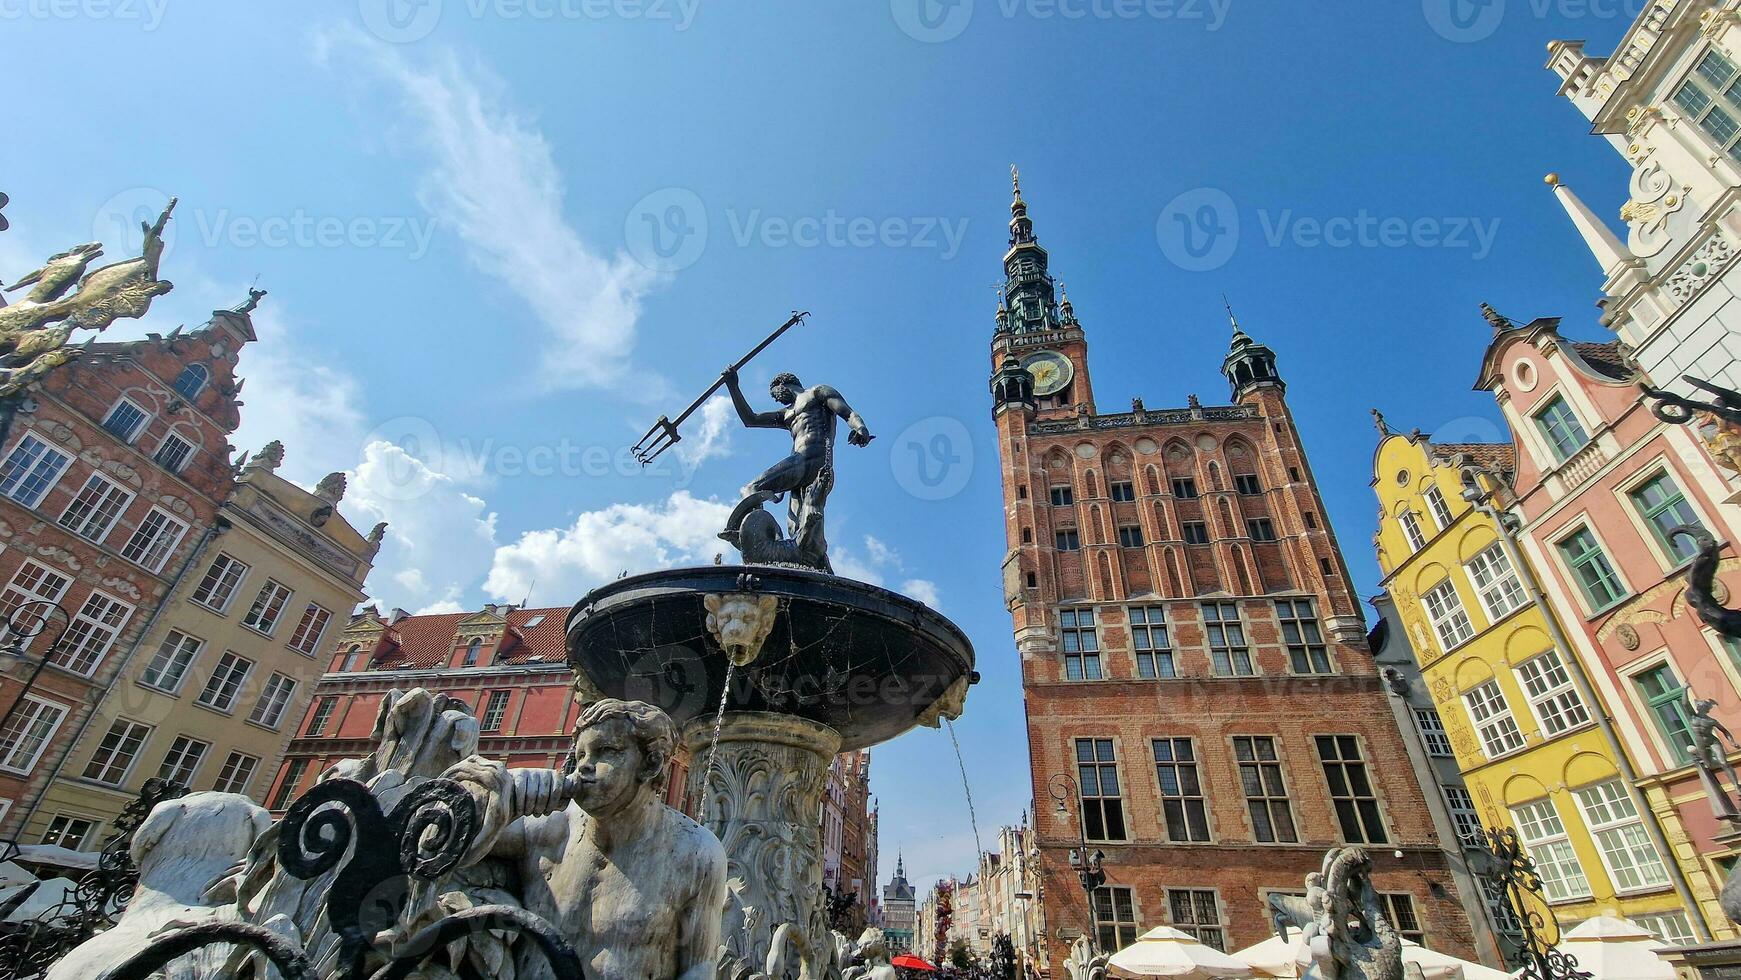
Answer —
(1193, 657)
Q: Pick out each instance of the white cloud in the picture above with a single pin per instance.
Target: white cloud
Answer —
(880, 553)
(712, 438)
(923, 590)
(879, 559)
(438, 535)
(493, 182)
(564, 563)
(289, 395)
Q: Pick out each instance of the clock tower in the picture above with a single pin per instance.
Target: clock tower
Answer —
(1036, 323)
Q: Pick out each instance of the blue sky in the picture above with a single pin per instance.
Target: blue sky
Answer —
(501, 236)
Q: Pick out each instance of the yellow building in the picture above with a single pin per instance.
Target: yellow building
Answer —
(214, 689)
(1514, 703)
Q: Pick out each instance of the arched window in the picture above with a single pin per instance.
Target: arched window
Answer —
(351, 657)
(192, 381)
(471, 653)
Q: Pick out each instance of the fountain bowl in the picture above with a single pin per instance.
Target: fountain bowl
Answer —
(863, 660)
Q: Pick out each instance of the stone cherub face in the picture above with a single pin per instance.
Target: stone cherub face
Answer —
(785, 388)
(620, 747)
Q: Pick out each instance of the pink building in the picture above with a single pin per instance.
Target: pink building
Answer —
(1599, 482)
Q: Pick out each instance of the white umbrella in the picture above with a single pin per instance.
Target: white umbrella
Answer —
(1166, 952)
(1276, 958)
(1613, 948)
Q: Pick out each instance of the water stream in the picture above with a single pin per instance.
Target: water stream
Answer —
(713, 749)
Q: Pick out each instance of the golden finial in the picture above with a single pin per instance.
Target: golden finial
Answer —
(1552, 180)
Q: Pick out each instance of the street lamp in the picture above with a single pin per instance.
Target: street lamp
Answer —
(1086, 863)
(17, 634)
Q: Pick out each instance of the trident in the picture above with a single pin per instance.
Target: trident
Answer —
(663, 435)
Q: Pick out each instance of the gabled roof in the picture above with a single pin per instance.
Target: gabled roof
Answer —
(1605, 359)
(423, 642)
(1498, 456)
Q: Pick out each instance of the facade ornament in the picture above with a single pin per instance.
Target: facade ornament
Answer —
(1193, 403)
(331, 488)
(248, 305)
(1712, 758)
(377, 534)
(1655, 199)
(1383, 430)
(1701, 581)
(1346, 934)
(1627, 634)
(950, 706)
(268, 459)
(740, 623)
(1498, 321)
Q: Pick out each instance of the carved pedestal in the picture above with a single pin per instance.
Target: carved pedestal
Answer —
(762, 798)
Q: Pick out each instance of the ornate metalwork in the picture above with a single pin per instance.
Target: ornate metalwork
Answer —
(1679, 410)
(1702, 582)
(424, 838)
(1499, 858)
(96, 901)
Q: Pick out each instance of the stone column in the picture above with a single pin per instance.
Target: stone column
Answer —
(763, 798)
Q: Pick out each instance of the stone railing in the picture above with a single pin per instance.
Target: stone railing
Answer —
(1582, 465)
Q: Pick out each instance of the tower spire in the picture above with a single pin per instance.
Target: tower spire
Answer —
(1249, 364)
(1028, 290)
(1021, 226)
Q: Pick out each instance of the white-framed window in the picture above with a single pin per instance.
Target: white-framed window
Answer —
(323, 711)
(191, 381)
(1663, 507)
(173, 453)
(154, 540)
(1589, 563)
(1670, 927)
(70, 832)
(1627, 853)
(226, 681)
(309, 629)
(28, 733)
(1411, 529)
(32, 583)
(1496, 582)
(168, 666)
(1493, 721)
(1539, 826)
(1710, 99)
(94, 509)
(494, 711)
(1463, 816)
(117, 752)
(126, 420)
(1450, 619)
(1551, 694)
(91, 633)
(1432, 729)
(1437, 506)
(273, 700)
(219, 584)
(237, 773)
(32, 469)
(183, 759)
(268, 607)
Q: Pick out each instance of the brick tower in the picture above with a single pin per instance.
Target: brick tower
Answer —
(1193, 658)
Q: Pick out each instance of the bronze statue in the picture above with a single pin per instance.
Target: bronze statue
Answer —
(1709, 755)
(807, 474)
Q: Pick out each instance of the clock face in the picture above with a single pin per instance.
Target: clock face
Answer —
(1052, 371)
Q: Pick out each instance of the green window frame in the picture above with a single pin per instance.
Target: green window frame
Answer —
(1560, 426)
(1591, 567)
(1711, 98)
(1664, 507)
(1667, 699)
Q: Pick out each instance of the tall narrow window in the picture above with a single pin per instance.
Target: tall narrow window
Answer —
(237, 773)
(323, 711)
(1631, 859)
(115, 754)
(93, 511)
(1551, 693)
(1114, 917)
(306, 639)
(1432, 729)
(168, 666)
(1151, 642)
(1595, 574)
(1709, 98)
(1102, 800)
(1538, 824)
(1266, 795)
(1463, 816)
(293, 773)
(1496, 582)
(273, 700)
(1081, 644)
(1493, 721)
(1183, 807)
(182, 760)
(1437, 506)
(1228, 652)
(1565, 435)
(1411, 529)
(226, 681)
(1306, 651)
(219, 584)
(1400, 910)
(1667, 699)
(31, 469)
(1450, 619)
(1351, 792)
(1196, 913)
(494, 711)
(267, 607)
(154, 540)
(1664, 508)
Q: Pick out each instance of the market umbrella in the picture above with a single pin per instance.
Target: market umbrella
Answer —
(1276, 958)
(1613, 948)
(907, 961)
(1166, 952)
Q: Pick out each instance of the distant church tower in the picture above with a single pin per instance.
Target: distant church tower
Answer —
(1195, 676)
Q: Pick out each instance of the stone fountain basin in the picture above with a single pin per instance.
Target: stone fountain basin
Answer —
(863, 660)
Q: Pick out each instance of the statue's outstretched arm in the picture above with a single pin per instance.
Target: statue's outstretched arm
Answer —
(504, 796)
(749, 416)
(860, 434)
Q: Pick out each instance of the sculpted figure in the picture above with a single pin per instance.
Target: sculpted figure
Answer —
(1713, 760)
(1347, 936)
(636, 886)
(807, 474)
